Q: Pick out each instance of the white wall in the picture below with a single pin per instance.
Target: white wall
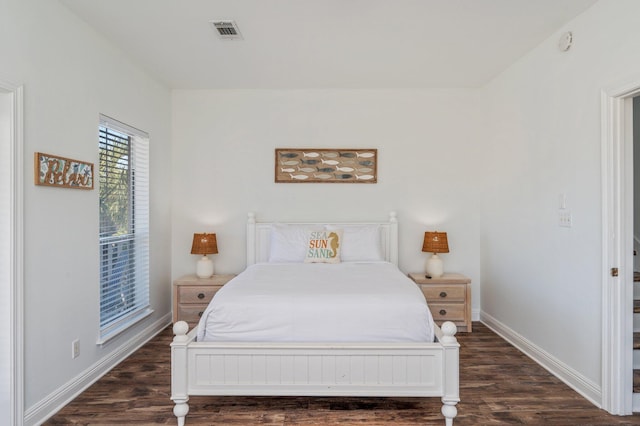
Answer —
(541, 280)
(70, 75)
(223, 167)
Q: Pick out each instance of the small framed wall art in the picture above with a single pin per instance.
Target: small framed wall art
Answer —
(62, 172)
(313, 165)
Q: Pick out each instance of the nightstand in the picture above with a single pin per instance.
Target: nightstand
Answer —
(191, 295)
(448, 297)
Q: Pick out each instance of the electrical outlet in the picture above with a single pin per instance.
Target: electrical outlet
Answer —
(565, 219)
(75, 349)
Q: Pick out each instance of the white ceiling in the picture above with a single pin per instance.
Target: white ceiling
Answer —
(303, 44)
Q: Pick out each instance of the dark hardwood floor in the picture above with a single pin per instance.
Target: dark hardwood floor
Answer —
(498, 385)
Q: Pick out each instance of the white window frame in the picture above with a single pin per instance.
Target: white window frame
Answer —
(134, 300)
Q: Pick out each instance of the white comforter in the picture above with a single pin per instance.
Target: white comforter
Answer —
(346, 302)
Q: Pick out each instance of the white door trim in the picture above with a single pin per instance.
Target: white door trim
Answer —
(617, 248)
(17, 255)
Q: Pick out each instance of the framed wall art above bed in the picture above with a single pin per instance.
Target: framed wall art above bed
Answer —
(321, 165)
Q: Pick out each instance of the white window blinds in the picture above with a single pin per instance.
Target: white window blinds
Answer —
(124, 225)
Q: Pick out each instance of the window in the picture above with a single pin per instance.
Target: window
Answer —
(124, 226)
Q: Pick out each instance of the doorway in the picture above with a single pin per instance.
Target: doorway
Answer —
(618, 249)
(636, 251)
(11, 255)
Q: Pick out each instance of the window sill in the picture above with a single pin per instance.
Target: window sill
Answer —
(114, 332)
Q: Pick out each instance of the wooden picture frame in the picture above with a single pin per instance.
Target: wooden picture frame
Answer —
(62, 172)
(322, 165)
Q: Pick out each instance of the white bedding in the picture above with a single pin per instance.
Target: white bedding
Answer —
(296, 302)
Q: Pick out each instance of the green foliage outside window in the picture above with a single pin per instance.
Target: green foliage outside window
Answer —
(114, 172)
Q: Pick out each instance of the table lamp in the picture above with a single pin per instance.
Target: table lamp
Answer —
(204, 244)
(435, 242)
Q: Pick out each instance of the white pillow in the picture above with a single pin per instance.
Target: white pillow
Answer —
(288, 243)
(324, 246)
(359, 242)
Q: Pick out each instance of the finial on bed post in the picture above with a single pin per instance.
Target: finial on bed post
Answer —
(251, 217)
(393, 217)
(449, 330)
(180, 329)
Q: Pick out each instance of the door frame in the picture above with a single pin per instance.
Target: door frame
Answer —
(617, 247)
(16, 203)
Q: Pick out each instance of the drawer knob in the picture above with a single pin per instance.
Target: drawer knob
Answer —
(200, 313)
(443, 294)
(200, 295)
(443, 312)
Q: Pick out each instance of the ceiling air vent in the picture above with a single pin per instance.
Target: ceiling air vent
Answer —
(227, 30)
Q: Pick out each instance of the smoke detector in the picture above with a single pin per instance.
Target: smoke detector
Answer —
(227, 30)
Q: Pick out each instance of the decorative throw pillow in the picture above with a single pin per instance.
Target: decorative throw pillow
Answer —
(324, 246)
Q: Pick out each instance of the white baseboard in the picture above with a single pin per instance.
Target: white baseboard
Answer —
(50, 405)
(475, 314)
(635, 402)
(584, 386)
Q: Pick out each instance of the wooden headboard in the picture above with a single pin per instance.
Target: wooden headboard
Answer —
(258, 242)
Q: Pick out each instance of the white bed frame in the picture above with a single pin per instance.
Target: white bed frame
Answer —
(315, 369)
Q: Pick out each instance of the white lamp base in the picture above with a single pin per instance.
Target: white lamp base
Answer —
(204, 267)
(433, 267)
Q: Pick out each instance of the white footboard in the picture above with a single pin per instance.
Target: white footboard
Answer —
(385, 369)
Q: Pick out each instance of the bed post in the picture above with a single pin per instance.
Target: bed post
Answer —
(451, 395)
(179, 373)
(392, 243)
(251, 239)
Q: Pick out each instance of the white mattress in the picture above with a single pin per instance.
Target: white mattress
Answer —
(346, 302)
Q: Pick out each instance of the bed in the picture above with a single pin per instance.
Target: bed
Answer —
(341, 362)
